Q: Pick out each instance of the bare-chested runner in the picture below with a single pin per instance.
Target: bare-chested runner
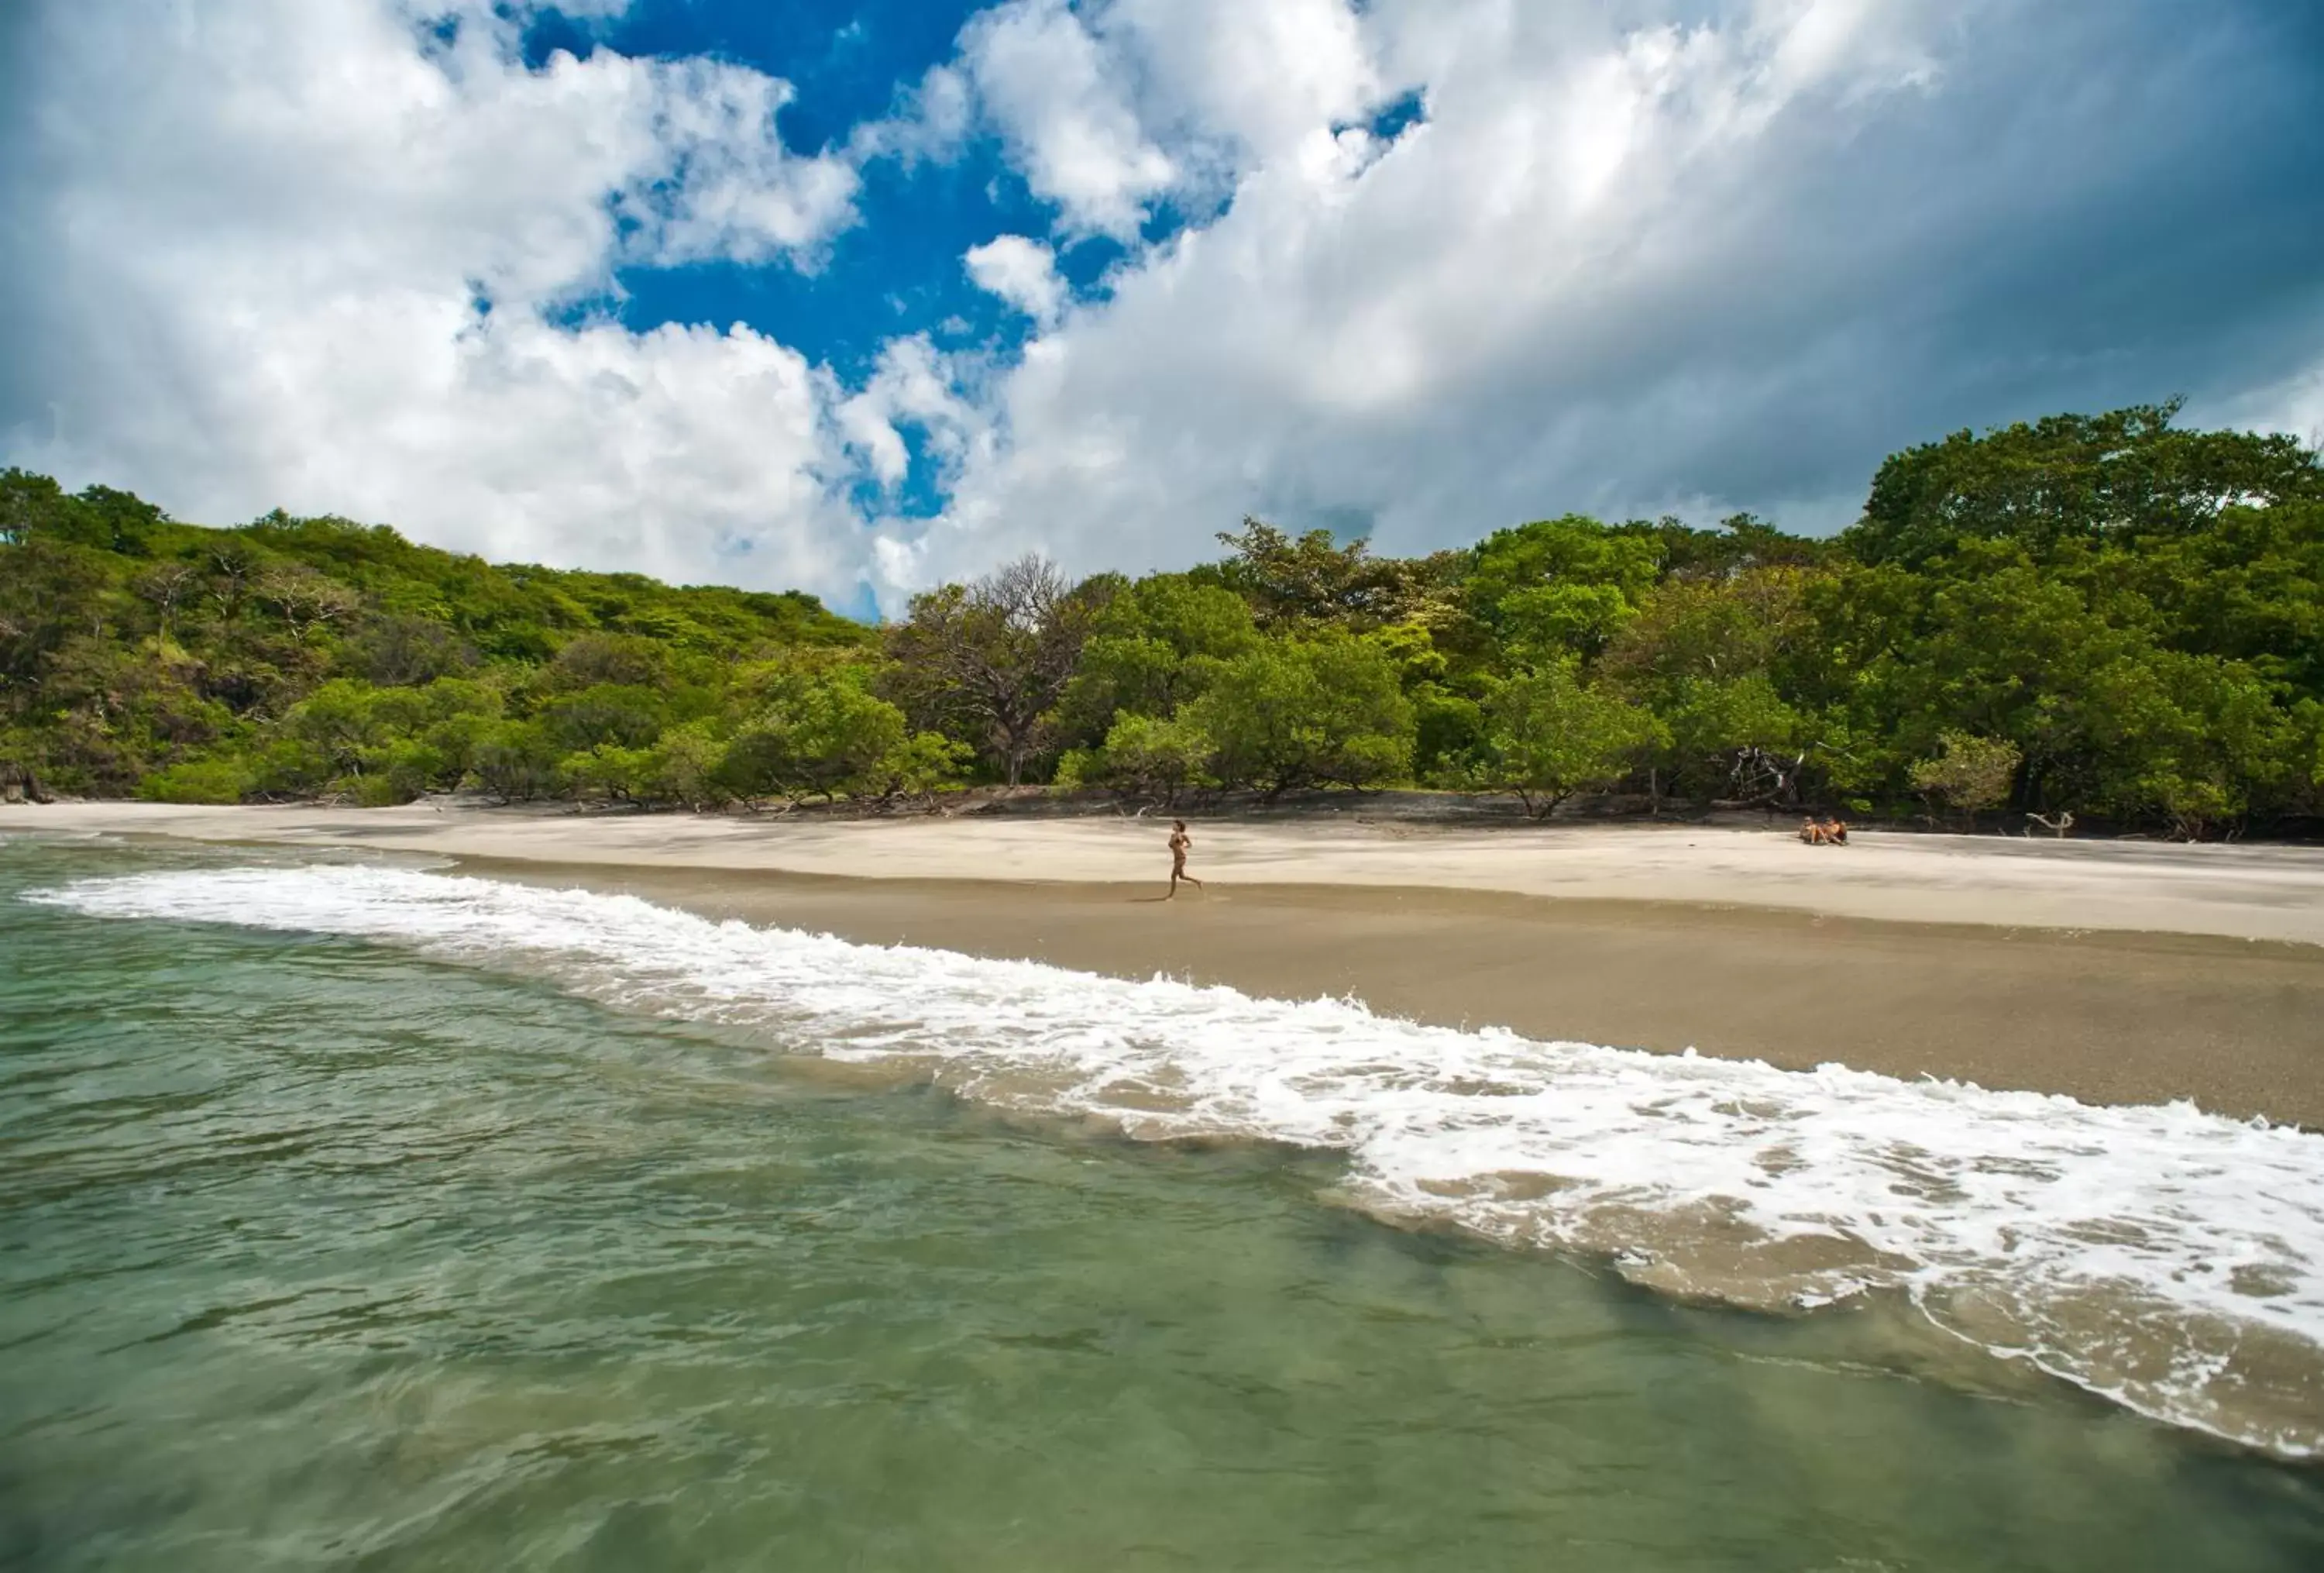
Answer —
(1180, 845)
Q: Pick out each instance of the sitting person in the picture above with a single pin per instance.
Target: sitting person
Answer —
(1835, 833)
(1811, 832)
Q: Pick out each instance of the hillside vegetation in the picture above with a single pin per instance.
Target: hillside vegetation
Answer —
(2107, 614)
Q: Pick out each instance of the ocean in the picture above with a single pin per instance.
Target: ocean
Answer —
(363, 1214)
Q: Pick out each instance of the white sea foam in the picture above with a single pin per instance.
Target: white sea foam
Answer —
(2168, 1258)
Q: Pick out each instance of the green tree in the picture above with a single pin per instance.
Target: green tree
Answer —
(405, 650)
(1735, 738)
(1305, 712)
(1154, 645)
(685, 766)
(1969, 772)
(2076, 479)
(1448, 733)
(516, 761)
(816, 735)
(625, 715)
(926, 763)
(1711, 629)
(2192, 738)
(609, 771)
(990, 661)
(596, 661)
(1309, 581)
(1560, 585)
(202, 781)
(1550, 735)
(385, 745)
(1150, 756)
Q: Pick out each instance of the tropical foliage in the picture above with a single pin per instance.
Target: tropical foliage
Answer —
(2107, 614)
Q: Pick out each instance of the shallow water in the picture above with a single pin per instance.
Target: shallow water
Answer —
(2167, 1258)
(321, 1250)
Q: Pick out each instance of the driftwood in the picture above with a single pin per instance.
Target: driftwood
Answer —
(2057, 827)
(1764, 779)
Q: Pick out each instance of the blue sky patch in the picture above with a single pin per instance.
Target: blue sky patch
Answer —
(897, 271)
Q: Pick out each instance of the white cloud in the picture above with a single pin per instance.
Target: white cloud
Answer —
(2294, 405)
(720, 183)
(914, 385)
(1066, 115)
(1257, 80)
(1489, 321)
(250, 242)
(1021, 272)
(1626, 265)
(929, 121)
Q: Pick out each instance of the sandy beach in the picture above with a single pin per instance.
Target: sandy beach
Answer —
(2111, 972)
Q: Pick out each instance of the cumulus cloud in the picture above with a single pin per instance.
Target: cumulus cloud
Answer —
(718, 182)
(915, 386)
(1630, 257)
(1238, 83)
(309, 253)
(1066, 111)
(1630, 265)
(1021, 272)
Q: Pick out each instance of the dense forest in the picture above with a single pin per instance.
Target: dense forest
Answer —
(2109, 616)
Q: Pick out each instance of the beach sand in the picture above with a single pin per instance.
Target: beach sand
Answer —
(2111, 972)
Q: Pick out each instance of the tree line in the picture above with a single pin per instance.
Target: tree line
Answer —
(2110, 615)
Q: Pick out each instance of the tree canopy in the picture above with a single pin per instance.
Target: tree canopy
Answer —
(2106, 614)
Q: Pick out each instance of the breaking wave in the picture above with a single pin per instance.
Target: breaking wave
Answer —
(2166, 1258)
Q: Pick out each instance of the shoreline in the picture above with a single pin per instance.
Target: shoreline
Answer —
(2101, 1017)
(2112, 974)
(2236, 892)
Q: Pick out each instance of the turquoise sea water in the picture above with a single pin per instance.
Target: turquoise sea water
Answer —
(315, 1251)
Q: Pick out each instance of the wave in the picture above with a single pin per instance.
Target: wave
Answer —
(2169, 1259)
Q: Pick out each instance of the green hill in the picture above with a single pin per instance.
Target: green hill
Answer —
(2103, 615)
(139, 652)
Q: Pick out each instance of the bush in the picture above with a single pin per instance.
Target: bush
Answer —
(1144, 757)
(378, 791)
(516, 761)
(1970, 774)
(197, 781)
(685, 766)
(925, 765)
(610, 772)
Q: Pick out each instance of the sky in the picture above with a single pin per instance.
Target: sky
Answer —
(858, 298)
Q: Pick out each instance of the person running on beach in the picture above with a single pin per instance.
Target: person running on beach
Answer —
(1180, 845)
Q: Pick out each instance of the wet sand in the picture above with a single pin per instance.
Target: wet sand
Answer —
(2110, 972)
(2236, 1026)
